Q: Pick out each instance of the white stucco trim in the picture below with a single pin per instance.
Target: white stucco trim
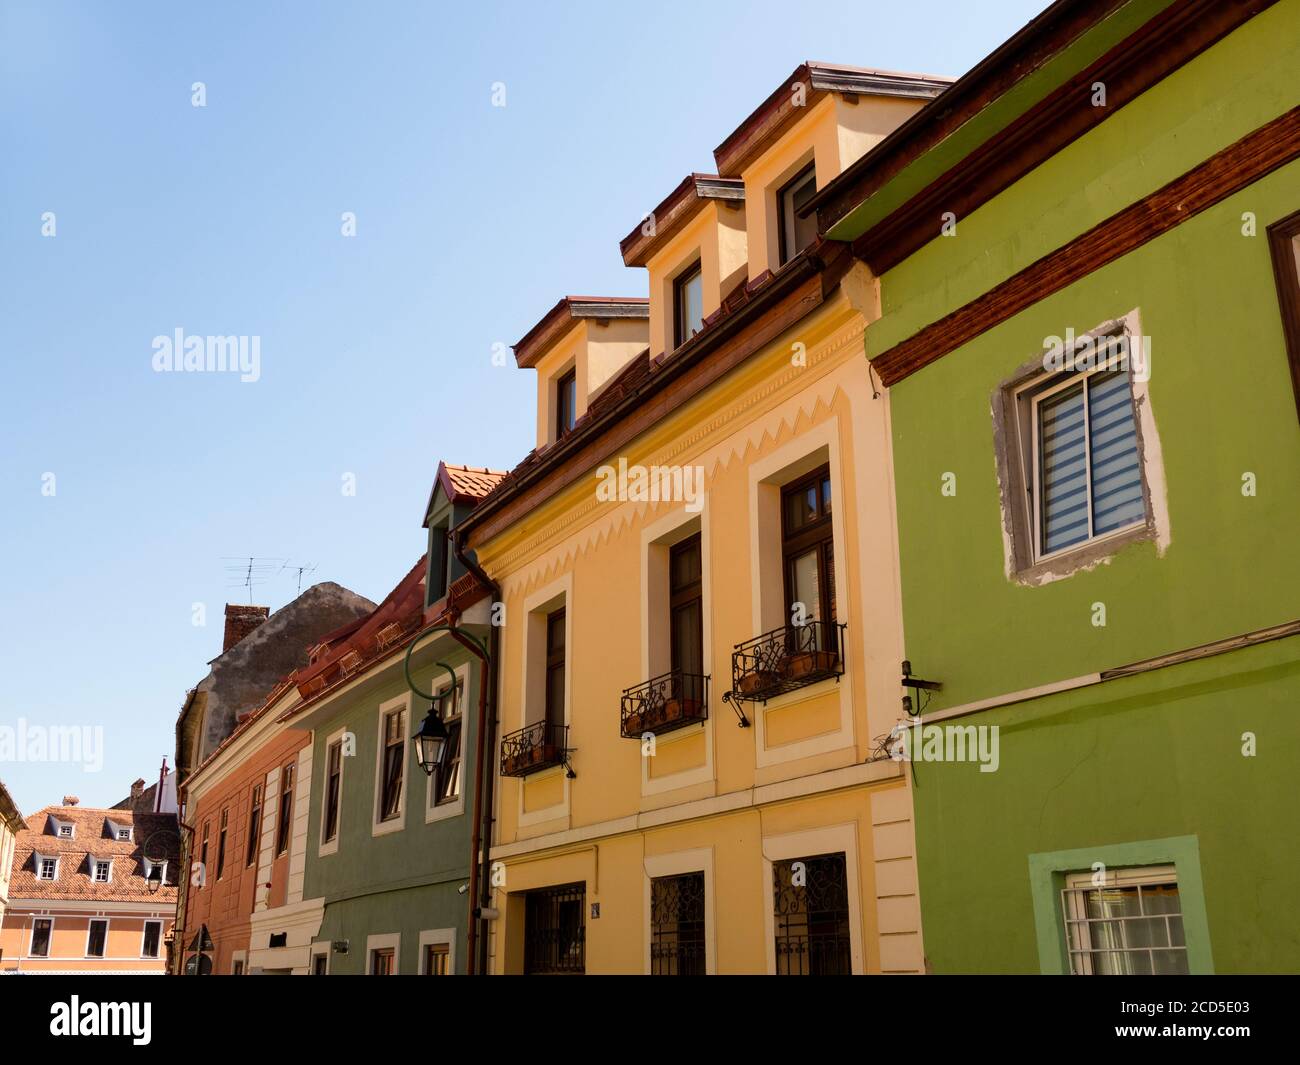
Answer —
(432, 936)
(673, 864)
(556, 590)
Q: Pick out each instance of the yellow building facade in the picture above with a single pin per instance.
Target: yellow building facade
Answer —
(701, 638)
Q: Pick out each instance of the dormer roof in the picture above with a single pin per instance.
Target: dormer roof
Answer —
(780, 111)
(558, 320)
(677, 208)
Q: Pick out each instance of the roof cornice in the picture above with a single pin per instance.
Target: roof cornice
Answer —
(570, 310)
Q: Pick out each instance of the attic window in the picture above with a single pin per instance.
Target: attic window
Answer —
(566, 403)
(47, 868)
(102, 872)
(796, 233)
(688, 305)
(63, 829)
(122, 833)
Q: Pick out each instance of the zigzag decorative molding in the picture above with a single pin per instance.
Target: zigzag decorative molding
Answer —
(813, 404)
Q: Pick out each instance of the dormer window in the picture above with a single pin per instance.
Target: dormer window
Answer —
(122, 833)
(101, 871)
(47, 868)
(566, 402)
(688, 305)
(796, 233)
(149, 867)
(63, 829)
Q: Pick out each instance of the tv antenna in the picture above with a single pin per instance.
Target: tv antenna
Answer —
(249, 571)
(305, 569)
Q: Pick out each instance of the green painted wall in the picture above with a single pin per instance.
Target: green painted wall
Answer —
(406, 881)
(1150, 757)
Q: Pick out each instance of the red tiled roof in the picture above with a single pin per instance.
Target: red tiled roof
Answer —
(91, 839)
(466, 482)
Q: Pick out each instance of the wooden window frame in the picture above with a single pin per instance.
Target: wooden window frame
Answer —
(284, 815)
(556, 661)
(566, 419)
(333, 791)
(680, 325)
(1284, 247)
(223, 829)
(383, 952)
(396, 751)
(254, 825)
(452, 758)
(432, 951)
(817, 534)
(787, 190)
(203, 852)
(685, 596)
(48, 922)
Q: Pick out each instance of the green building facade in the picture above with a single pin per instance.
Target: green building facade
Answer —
(1101, 563)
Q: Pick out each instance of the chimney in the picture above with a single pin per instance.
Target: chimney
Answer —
(240, 621)
(136, 789)
(70, 800)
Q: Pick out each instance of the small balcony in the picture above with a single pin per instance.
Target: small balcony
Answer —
(785, 659)
(533, 748)
(664, 703)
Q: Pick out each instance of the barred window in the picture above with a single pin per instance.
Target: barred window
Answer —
(555, 930)
(1124, 922)
(677, 941)
(811, 907)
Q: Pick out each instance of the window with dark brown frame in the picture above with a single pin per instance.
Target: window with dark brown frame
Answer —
(808, 546)
(222, 830)
(203, 853)
(285, 820)
(333, 784)
(254, 825)
(555, 930)
(448, 773)
(555, 667)
(381, 962)
(97, 938)
(796, 233)
(436, 958)
(686, 614)
(566, 402)
(320, 964)
(688, 304)
(1284, 244)
(394, 765)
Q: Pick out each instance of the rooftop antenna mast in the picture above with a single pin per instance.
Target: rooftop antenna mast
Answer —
(250, 571)
(307, 568)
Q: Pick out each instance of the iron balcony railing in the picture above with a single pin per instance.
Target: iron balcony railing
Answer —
(785, 659)
(664, 703)
(534, 747)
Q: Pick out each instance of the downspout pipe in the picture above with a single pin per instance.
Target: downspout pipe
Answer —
(484, 772)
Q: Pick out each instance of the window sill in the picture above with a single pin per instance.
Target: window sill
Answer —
(1084, 557)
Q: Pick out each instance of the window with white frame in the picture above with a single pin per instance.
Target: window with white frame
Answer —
(152, 938)
(149, 867)
(47, 867)
(392, 764)
(333, 791)
(102, 871)
(97, 939)
(1124, 922)
(447, 775)
(1073, 451)
(796, 231)
(64, 829)
(42, 928)
(122, 833)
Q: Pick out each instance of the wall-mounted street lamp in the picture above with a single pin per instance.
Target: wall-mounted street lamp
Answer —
(431, 740)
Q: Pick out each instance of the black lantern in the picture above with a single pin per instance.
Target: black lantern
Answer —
(155, 878)
(431, 740)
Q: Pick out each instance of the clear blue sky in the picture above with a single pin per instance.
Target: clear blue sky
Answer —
(375, 350)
